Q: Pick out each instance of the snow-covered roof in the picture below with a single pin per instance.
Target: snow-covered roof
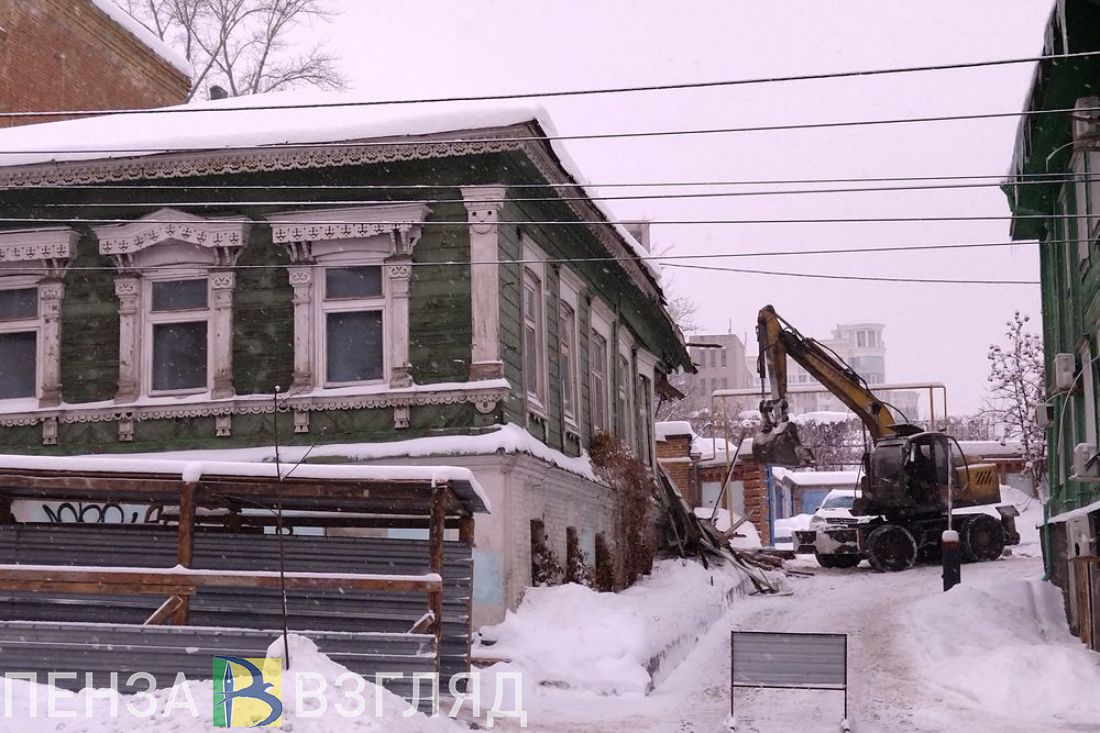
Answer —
(194, 470)
(992, 448)
(145, 36)
(663, 430)
(273, 119)
(823, 416)
(816, 478)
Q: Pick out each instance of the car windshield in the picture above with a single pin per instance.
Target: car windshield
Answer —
(838, 502)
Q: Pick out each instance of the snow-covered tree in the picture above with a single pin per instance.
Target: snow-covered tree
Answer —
(1016, 387)
(243, 46)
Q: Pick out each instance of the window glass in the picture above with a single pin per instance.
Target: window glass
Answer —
(532, 337)
(838, 502)
(17, 364)
(354, 341)
(179, 355)
(598, 366)
(179, 295)
(18, 304)
(568, 391)
(342, 283)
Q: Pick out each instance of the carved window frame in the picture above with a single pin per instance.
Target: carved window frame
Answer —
(38, 259)
(173, 245)
(382, 235)
(570, 287)
(536, 393)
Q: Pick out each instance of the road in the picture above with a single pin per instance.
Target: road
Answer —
(888, 694)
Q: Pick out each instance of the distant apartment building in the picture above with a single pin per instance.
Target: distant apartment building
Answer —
(721, 364)
(861, 346)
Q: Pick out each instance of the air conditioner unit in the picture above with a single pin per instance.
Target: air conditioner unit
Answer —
(1043, 417)
(1086, 464)
(1080, 540)
(1065, 369)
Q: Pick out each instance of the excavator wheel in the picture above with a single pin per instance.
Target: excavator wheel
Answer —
(891, 548)
(983, 538)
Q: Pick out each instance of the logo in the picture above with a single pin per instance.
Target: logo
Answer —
(248, 692)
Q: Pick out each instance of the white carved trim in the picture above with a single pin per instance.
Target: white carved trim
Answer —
(38, 245)
(484, 141)
(401, 222)
(219, 234)
(483, 207)
(484, 398)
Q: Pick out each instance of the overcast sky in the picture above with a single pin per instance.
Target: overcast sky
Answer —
(933, 332)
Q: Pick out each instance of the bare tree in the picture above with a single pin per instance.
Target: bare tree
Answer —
(242, 45)
(1016, 387)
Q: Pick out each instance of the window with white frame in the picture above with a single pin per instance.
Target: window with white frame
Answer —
(597, 360)
(1088, 379)
(569, 290)
(600, 366)
(178, 333)
(625, 406)
(534, 340)
(351, 271)
(18, 342)
(644, 403)
(352, 328)
(567, 330)
(175, 290)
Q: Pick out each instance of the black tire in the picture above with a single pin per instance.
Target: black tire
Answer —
(891, 548)
(982, 539)
(825, 561)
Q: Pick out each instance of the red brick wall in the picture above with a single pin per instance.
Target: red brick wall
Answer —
(755, 479)
(674, 455)
(68, 54)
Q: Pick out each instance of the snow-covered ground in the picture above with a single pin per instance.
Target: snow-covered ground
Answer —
(612, 644)
(993, 654)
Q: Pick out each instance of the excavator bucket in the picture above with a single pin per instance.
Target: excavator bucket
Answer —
(781, 446)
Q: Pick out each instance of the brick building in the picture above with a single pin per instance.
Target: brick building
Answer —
(698, 466)
(82, 54)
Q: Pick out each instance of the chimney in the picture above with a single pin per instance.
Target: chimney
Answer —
(217, 92)
(640, 231)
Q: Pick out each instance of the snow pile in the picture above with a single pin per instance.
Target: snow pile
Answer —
(1004, 645)
(822, 416)
(787, 526)
(663, 429)
(745, 536)
(841, 479)
(571, 637)
(188, 708)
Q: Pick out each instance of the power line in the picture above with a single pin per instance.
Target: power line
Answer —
(998, 179)
(866, 278)
(623, 222)
(588, 92)
(528, 199)
(660, 258)
(551, 138)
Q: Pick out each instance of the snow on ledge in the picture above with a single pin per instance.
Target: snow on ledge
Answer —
(506, 439)
(145, 36)
(193, 470)
(666, 429)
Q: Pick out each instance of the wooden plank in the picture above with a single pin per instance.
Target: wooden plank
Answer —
(171, 582)
(185, 545)
(168, 609)
(435, 565)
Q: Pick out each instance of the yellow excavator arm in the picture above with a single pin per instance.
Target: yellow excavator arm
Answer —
(777, 442)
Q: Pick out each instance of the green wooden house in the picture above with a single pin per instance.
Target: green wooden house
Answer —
(406, 287)
(1054, 192)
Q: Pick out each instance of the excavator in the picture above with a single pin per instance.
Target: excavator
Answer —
(911, 479)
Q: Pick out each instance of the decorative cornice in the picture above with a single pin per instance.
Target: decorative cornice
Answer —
(479, 396)
(208, 163)
(172, 225)
(37, 245)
